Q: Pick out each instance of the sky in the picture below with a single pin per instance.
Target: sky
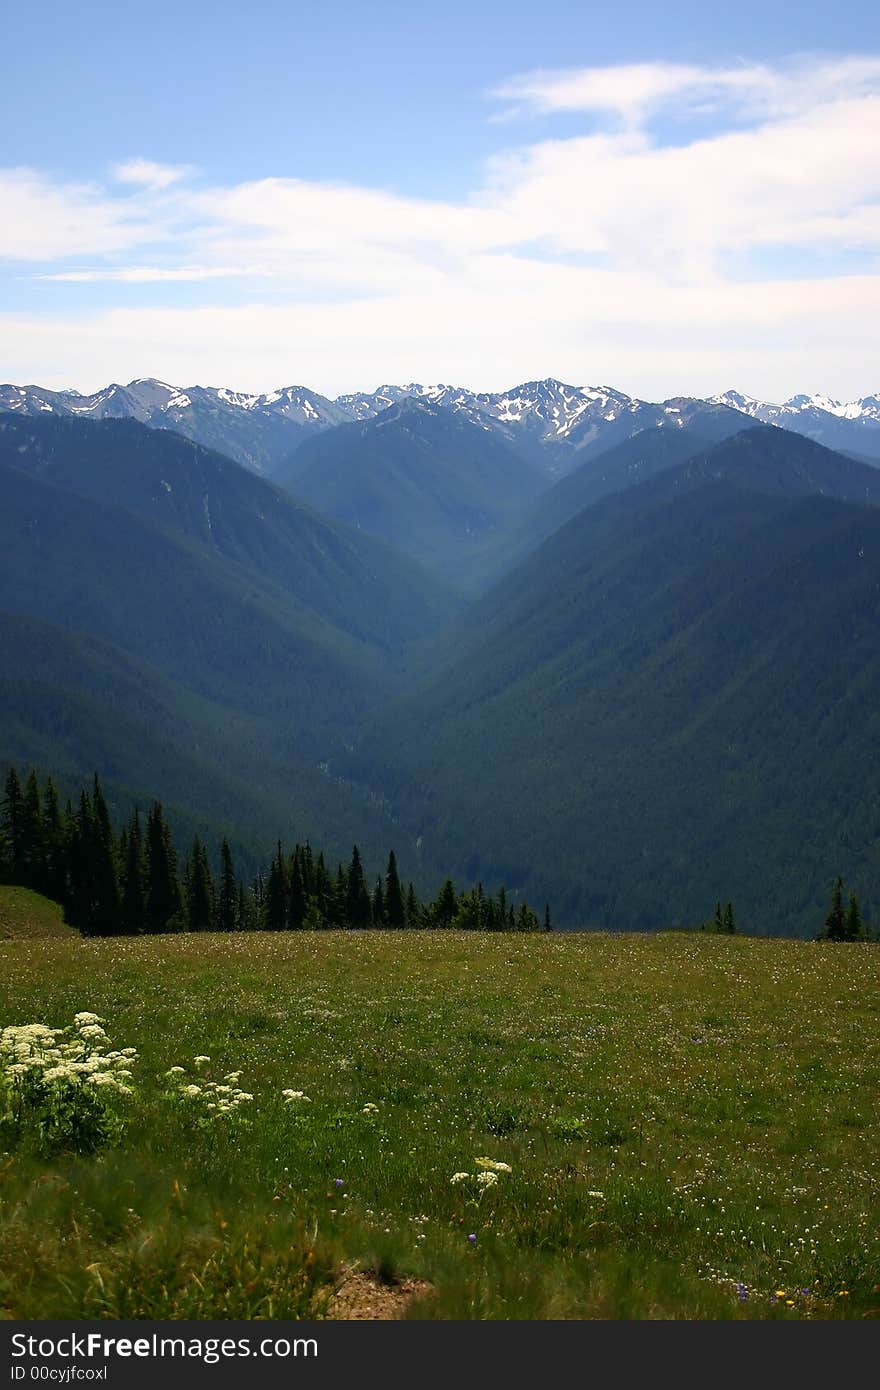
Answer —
(643, 196)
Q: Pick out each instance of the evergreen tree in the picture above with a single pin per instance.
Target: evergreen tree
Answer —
(340, 896)
(729, 921)
(413, 908)
(163, 888)
(324, 892)
(835, 924)
(227, 897)
(275, 910)
(133, 916)
(55, 847)
(378, 905)
(299, 898)
(82, 891)
(358, 909)
(502, 908)
(244, 912)
(854, 927)
(395, 910)
(12, 829)
(718, 921)
(199, 889)
(106, 906)
(548, 925)
(445, 908)
(32, 846)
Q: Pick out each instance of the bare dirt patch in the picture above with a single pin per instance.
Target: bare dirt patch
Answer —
(363, 1296)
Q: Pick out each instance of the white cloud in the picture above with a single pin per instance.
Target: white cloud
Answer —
(146, 173)
(604, 255)
(635, 92)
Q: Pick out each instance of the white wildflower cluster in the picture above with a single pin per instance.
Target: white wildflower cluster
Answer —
(211, 1100)
(483, 1180)
(371, 1108)
(36, 1060)
(295, 1097)
(64, 1084)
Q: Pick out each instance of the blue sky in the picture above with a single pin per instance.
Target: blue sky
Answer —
(640, 194)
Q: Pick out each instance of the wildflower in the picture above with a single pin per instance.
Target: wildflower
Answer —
(472, 1238)
(81, 1019)
(491, 1165)
(290, 1096)
(191, 1091)
(176, 1071)
(486, 1180)
(596, 1194)
(370, 1108)
(339, 1182)
(459, 1177)
(201, 1060)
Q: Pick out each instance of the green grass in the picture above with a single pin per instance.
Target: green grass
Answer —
(25, 915)
(682, 1114)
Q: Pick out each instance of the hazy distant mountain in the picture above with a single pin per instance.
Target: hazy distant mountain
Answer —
(346, 579)
(672, 700)
(429, 481)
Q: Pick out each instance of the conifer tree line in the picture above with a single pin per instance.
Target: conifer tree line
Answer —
(844, 923)
(723, 923)
(132, 881)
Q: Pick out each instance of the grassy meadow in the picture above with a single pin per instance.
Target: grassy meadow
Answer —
(690, 1124)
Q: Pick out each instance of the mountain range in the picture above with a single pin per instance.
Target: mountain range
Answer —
(553, 425)
(627, 668)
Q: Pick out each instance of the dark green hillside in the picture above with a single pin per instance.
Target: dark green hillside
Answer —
(425, 479)
(623, 466)
(674, 700)
(772, 460)
(217, 628)
(348, 580)
(73, 705)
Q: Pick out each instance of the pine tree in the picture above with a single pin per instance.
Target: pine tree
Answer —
(718, 920)
(854, 927)
(12, 856)
(244, 911)
(32, 844)
(55, 866)
(107, 905)
(413, 908)
(378, 905)
(79, 905)
(395, 910)
(729, 921)
(275, 910)
(299, 898)
(835, 924)
(227, 897)
(358, 909)
(548, 925)
(199, 889)
(163, 888)
(340, 897)
(445, 908)
(133, 913)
